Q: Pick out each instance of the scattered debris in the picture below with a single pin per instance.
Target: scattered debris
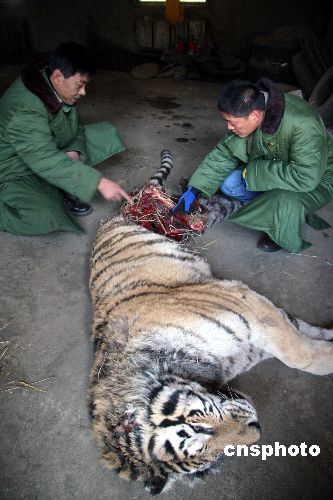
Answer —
(19, 384)
(5, 353)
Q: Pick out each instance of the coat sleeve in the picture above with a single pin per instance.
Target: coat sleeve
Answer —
(32, 140)
(212, 171)
(307, 151)
(79, 143)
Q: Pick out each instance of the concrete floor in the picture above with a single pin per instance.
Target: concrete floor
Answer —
(47, 449)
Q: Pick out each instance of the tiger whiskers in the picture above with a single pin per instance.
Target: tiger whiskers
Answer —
(232, 394)
(222, 396)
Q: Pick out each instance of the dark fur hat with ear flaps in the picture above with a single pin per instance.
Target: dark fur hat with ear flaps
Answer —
(275, 105)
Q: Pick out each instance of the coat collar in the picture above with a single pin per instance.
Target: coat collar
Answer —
(275, 106)
(35, 82)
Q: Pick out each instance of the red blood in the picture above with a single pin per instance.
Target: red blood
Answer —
(151, 209)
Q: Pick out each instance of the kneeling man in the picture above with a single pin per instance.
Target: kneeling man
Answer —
(47, 156)
(276, 158)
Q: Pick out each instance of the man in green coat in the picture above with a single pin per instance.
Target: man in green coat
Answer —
(276, 159)
(47, 156)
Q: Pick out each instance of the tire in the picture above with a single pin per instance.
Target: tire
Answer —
(304, 76)
(291, 33)
(321, 97)
(315, 55)
(326, 111)
(323, 89)
(278, 73)
(274, 49)
(328, 40)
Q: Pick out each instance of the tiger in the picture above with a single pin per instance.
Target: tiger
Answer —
(159, 177)
(218, 207)
(168, 339)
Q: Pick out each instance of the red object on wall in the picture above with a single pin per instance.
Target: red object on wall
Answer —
(192, 48)
(180, 46)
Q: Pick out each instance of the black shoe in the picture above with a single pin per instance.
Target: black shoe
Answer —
(266, 244)
(77, 207)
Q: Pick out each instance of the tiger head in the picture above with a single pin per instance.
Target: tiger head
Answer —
(190, 428)
(182, 430)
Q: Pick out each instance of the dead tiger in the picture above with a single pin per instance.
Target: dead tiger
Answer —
(168, 337)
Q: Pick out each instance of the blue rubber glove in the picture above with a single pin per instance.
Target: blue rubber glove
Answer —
(184, 204)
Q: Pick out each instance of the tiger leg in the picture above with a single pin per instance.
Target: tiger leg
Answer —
(276, 335)
(313, 332)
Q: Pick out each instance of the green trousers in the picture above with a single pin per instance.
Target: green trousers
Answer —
(31, 206)
(281, 214)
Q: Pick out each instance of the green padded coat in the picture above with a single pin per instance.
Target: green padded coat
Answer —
(35, 133)
(290, 161)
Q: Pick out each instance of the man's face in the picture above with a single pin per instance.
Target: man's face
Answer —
(243, 126)
(70, 89)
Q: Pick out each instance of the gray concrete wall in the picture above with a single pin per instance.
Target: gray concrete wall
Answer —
(40, 25)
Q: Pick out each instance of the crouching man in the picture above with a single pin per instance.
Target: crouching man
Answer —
(276, 158)
(47, 156)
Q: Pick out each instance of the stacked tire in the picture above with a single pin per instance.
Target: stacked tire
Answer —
(272, 54)
(295, 55)
(321, 97)
(310, 64)
(313, 68)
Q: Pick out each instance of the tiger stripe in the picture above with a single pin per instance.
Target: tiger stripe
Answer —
(167, 337)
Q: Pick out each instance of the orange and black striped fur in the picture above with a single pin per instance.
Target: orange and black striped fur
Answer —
(168, 336)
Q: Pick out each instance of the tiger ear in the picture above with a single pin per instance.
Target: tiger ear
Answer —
(156, 484)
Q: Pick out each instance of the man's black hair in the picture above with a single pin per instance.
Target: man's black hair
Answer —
(240, 98)
(71, 58)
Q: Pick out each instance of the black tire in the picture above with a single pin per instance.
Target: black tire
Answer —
(274, 49)
(326, 111)
(323, 89)
(304, 76)
(281, 73)
(315, 55)
(328, 40)
(321, 97)
(291, 33)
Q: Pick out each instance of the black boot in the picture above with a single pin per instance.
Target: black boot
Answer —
(77, 207)
(266, 244)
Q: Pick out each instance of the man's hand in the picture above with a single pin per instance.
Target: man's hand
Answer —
(111, 191)
(73, 154)
(184, 204)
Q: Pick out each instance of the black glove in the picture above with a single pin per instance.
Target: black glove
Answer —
(185, 202)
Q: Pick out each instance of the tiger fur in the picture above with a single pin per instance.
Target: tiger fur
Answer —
(159, 177)
(218, 207)
(168, 336)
